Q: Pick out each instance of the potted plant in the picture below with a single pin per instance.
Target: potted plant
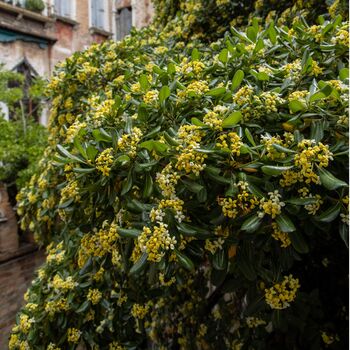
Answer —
(35, 5)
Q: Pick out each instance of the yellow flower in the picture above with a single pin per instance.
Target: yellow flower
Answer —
(73, 335)
(94, 295)
(104, 161)
(282, 294)
(150, 97)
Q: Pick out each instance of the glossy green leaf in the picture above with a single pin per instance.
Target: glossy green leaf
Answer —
(330, 214)
(233, 119)
(329, 181)
(251, 224)
(285, 223)
(164, 93)
(184, 260)
(237, 79)
(275, 170)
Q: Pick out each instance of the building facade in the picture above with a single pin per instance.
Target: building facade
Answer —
(34, 40)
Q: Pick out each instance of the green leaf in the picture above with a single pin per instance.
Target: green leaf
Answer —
(148, 188)
(252, 33)
(275, 170)
(301, 201)
(237, 79)
(296, 106)
(330, 214)
(259, 45)
(344, 233)
(251, 224)
(220, 259)
(139, 265)
(80, 147)
(171, 68)
(192, 186)
(83, 307)
(91, 152)
(195, 55)
(249, 136)
(329, 181)
(186, 229)
(123, 160)
(216, 92)
(323, 93)
(184, 261)
(272, 33)
(298, 242)
(164, 93)
(84, 170)
(144, 83)
(344, 74)
(152, 145)
(197, 122)
(127, 184)
(285, 223)
(67, 154)
(232, 119)
(101, 135)
(263, 76)
(128, 232)
(282, 149)
(223, 56)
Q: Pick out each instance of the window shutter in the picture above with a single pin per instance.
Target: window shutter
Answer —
(124, 22)
(101, 14)
(58, 7)
(94, 7)
(66, 8)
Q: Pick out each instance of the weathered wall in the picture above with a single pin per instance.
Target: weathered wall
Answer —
(15, 277)
(13, 53)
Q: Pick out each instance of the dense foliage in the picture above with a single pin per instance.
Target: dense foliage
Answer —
(22, 141)
(21, 148)
(194, 195)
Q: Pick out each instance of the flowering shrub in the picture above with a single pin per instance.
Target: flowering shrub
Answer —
(195, 195)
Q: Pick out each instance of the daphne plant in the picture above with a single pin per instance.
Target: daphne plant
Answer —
(194, 195)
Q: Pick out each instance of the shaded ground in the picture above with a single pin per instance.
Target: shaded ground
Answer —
(15, 277)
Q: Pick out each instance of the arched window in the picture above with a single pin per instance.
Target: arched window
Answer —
(29, 106)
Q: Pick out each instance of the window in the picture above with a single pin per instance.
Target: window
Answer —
(63, 8)
(98, 14)
(124, 22)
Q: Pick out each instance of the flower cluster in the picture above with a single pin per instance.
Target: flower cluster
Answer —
(104, 161)
(94, 295)
(281, 236)
(196, 88)
(230, 141)
(156, 242)
(128, 142)
(271, 206)
(282, 294)
(243, 203)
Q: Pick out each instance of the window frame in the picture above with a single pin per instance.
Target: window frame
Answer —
(106, 8)
(72, 9)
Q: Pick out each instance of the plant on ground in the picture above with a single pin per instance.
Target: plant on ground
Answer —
(194, 193)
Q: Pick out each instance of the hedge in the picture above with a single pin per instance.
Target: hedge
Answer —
(195, 193)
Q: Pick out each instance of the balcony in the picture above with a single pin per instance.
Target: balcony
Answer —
(15, 18)
(30, 6)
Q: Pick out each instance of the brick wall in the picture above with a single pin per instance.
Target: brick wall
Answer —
(15, 277)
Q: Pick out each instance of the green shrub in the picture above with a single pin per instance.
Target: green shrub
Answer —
(35, 5)
(195, 195)
(20, 150)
